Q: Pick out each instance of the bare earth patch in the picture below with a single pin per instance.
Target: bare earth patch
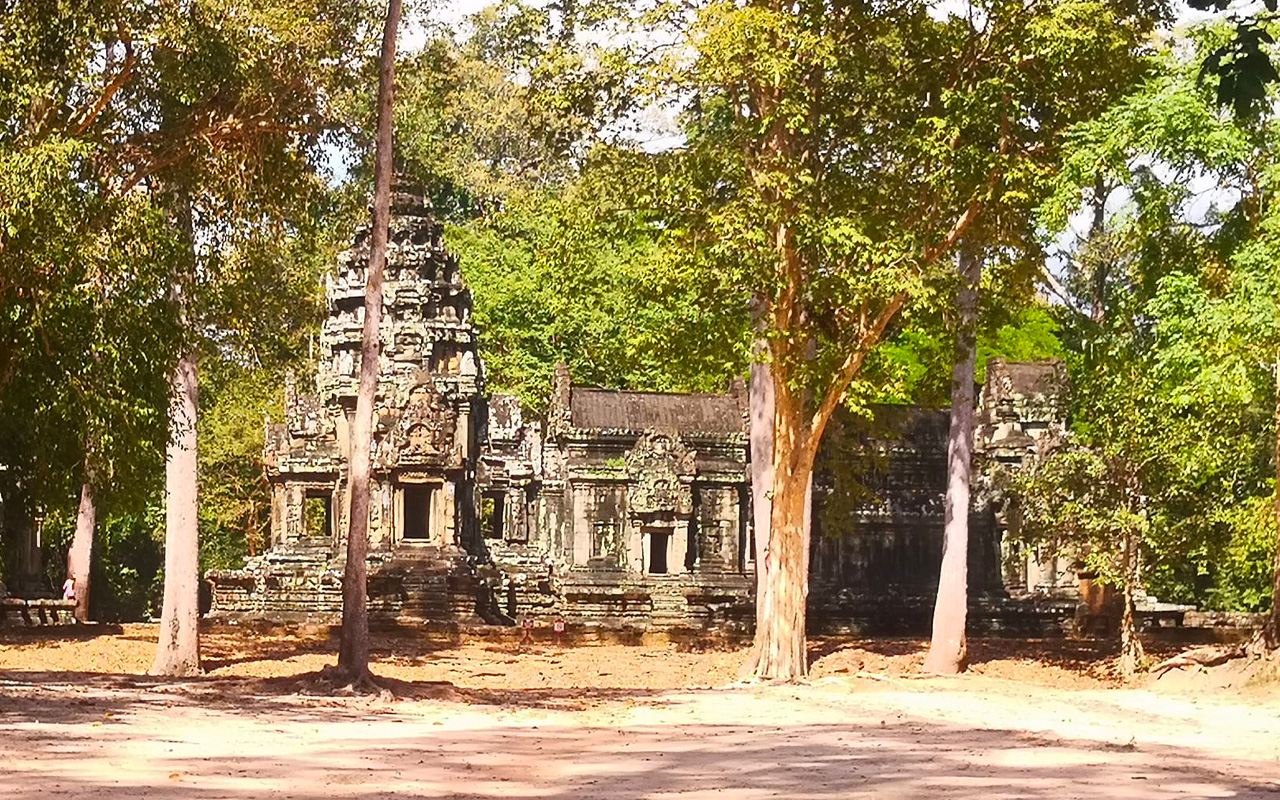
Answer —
(488, 718)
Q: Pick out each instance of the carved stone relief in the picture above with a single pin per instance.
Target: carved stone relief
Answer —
(661, 469)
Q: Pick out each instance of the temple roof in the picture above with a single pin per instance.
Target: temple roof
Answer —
(640, 411)
(1033, 377)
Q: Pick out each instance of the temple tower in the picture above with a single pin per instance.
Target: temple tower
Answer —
(426, 416)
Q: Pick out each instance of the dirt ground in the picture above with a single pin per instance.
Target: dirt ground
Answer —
(492, 718)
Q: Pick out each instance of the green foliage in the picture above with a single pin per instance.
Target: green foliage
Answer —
(1243, 566)
(128, 554)
(141, 142)
(915, 365)
(515, 107)
(551, 284)
(127, 575)
(235, 503)
(835, 157)
(1086, 502)
(1172, 368)
(501, 127)
(1032, 335)
(1242, 66)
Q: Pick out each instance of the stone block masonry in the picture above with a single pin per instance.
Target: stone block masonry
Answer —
(625, 511)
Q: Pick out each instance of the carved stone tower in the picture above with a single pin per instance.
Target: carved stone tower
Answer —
(429, 390)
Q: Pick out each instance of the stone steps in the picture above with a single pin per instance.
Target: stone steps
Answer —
(668, 606)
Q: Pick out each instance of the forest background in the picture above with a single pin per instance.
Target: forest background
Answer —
(1153, 276)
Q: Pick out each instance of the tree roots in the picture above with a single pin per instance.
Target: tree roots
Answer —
(339, 682)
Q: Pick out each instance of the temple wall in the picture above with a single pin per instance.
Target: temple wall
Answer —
(620, 508)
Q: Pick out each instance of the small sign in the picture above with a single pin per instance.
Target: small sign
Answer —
(559, 626)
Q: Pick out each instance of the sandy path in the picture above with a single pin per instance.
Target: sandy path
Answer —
(75, 723)
(840, 738)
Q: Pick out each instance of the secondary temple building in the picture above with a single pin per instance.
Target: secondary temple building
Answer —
(625, 510)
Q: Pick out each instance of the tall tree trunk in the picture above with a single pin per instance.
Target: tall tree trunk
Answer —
(948, 650)
(80, 556)
(178, 653)
(779, 652)
(353, 653)
(1271, 632)
(1131, 650)
(760, 412)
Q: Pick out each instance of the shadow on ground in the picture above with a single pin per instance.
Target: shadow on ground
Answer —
(261, 750)
(15, 634)
(1080, 656)
(65, 697)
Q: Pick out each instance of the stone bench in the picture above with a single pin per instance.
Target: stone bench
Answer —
(37, 612)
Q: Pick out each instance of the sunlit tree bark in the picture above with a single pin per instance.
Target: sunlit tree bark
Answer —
(353, 654)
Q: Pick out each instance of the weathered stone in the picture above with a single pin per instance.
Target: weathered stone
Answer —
(622, 510)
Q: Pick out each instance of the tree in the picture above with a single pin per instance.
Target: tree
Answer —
(1012, 236)
(1093, 499)
(835, 157)
(562, 270)
(209, 114)
(229, 159)
(948, 649)
(80, 267)
(353, 654)
(1173, 398)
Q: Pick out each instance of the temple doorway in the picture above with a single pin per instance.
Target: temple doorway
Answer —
(656, 558)
(417, 512)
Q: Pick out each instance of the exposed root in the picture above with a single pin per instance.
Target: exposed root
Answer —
(1262, 646)
(340, 683)
(1199, 658)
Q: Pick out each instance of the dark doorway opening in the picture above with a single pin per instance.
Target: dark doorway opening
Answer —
(492, 509)
(317, 516)
(417, 512)
(658, 543)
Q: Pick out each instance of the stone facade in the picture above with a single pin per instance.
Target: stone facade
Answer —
(425, 449)
(878, 512)
(625, 510)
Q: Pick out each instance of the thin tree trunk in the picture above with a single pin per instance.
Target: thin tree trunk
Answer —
(948, 650)
(80, 556)
(760, 411)
(178, 653)
(1098, 281)
(1271, 632)
(353, 654)
(1131, 650)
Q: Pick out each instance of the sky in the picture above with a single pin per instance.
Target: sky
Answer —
(453, 13)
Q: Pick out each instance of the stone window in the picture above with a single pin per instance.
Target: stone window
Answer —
(604, 541)
(417, 512)
(317, 515)
(492, 511)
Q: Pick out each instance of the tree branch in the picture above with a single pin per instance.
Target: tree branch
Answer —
(109, 91)
(849, 370)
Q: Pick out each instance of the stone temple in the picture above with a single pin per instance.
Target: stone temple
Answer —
(618, 510)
